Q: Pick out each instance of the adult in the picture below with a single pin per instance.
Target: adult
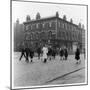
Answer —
(22, 51)
(31, 51)
(65, 53)
(61, 54)
(77, 55)
(54, 52)
(27, 50)
(49, 54)
(45, 51)
(39, 52)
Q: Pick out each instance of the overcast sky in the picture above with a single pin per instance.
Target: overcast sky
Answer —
(21, 9)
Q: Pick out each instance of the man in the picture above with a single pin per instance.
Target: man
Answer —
(22, 51)
(31, 51)
(45, 51)
(39, 52)
(49, 54)
(61, 53)
(77, 56)
(54, 52)
(27, 51)
(65, 53)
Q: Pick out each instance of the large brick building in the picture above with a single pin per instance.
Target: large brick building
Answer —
(53, 30)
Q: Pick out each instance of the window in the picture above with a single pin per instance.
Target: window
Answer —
(50, 35)
(50, 24)
(53, 25)
(47, 25)
(31, 27)
(65, 25)
(43, 25)
(72, 27)
(40, 25)
(37, 35)
(27, 27)
(67, 35)
(31, 36)
(62, 25)
(37, 25)
(28, 36)
(59, 24)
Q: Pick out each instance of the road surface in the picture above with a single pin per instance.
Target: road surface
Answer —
(54, 72)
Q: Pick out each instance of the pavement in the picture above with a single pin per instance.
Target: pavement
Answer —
(52, 72)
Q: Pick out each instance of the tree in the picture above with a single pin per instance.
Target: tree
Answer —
(38, 16)
(28, 18)
(64, 17)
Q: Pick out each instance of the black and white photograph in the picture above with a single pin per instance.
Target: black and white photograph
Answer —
(49, 44)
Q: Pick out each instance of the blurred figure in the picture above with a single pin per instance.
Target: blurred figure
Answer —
(27, 51)
(61, 54)
(49, 54)
(77, 56)
(84, 53)
(22, 51)
(39, 52)
(45, 51)
(31, 54)
(65, 53)
(53, 52)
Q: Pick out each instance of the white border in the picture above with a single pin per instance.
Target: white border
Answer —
(43, 86)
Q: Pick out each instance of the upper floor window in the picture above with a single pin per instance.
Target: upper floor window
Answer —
(72, 27)
(59, 24)
(53, 24)
(43, 25)
(27, 36)
(62, 25)
(31, 27)
(37, 25)
(65, 25)
(27, 27)
(50, 24)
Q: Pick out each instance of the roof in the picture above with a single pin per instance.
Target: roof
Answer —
(48, 18)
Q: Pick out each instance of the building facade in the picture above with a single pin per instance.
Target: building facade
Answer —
(54, 31)
(18, 35)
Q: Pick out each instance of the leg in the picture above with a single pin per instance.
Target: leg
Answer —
(31, 58)
(21, 56)
(27, 58)
(45, 60)
(38, 56)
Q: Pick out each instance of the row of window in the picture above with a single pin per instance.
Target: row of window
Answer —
(66, 26)
(40, 25)
(42, 35)
(69, 36)
(46, 25)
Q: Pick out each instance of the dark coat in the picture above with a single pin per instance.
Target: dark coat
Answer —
(65, 52)
(49, 52)
(39, 50)
(31, 53)
(77, 54)
(61, 52)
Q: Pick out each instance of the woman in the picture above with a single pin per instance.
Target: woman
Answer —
(77, 55)
(45, 51)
